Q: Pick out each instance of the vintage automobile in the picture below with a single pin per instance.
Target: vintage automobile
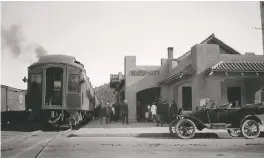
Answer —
(237, 120)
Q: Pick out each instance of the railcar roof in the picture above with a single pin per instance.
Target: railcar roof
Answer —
(63, 59)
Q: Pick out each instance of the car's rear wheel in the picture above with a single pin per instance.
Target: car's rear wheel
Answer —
(250, 129)
(185, 129)
(234, 132)
(172, 127)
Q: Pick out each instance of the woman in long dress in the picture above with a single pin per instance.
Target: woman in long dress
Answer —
(153, 112)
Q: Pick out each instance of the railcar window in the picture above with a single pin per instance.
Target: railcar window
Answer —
(73, 84)
(36, 78)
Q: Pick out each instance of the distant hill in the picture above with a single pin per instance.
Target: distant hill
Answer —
(104, 93)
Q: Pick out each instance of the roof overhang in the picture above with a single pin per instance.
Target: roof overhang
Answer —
(243, 68)
(175, 77)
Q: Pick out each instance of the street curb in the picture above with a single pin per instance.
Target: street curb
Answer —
(146, 135)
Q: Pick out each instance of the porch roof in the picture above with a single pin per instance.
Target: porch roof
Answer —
(187, 71)
(241, 66)
(175, 77)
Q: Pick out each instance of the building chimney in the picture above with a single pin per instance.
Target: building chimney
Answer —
(170, 52)
(163, 61)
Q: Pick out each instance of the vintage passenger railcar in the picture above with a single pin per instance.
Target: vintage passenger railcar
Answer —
(12, 105)
(59, 92)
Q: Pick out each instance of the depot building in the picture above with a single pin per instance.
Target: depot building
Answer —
(211, 69)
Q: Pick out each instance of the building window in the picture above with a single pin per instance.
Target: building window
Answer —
(234, 96)
(73, 84)
(187, 98)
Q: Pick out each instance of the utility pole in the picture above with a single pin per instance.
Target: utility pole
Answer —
(262, 22)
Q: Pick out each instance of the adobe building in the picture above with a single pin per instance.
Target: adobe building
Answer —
(210, 69)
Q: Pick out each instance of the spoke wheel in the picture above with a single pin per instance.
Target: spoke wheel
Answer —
(185, 129)
(250, 129)
(172, 127)
(234, 132)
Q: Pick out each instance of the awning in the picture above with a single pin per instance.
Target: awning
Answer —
(177, 76)
(241, 67)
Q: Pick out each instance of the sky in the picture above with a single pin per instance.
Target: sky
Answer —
(101, 34)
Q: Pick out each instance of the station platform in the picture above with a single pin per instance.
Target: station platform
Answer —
(95, 129)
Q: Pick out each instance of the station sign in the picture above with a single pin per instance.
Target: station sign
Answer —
(144, 73)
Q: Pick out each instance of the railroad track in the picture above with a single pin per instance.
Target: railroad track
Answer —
(29, 145)
(23, 136)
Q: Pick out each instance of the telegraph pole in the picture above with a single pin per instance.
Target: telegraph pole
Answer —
(262, 22)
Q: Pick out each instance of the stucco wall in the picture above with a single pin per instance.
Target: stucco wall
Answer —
(249, 58)
(181, 65)
(134, 84)
(204, 56)
(216, 88)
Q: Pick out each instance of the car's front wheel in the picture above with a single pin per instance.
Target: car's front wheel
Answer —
(185, 129)
(250, 129)
(234, 132)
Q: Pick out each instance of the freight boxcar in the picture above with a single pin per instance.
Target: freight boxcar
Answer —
(59, 92)
(12, 105)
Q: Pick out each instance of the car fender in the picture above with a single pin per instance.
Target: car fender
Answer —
(253, 117)
(198, 123)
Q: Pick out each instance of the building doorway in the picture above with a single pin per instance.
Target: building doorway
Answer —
(144, 98)
(234, 95)
(187, 98)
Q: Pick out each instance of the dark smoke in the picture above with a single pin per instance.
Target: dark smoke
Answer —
(41, 51)
(13, 39)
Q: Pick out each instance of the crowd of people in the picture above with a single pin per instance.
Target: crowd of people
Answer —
(112, 113)
(160, 112)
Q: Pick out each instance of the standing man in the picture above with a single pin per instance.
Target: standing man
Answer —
(173, 109)
(124, 112)
(117, 110)
(138, 111)
(161, 113)
(108, 111)
(101, 113)
(166, 109)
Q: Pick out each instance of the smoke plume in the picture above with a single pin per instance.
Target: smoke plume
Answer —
(13, 39)
(41, 51)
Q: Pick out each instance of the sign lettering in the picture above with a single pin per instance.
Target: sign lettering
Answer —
(144, 73)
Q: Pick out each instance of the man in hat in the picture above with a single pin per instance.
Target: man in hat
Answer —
(124, 112)
(108, 111)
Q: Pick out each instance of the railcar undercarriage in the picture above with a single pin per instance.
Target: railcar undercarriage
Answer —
(69, 119)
